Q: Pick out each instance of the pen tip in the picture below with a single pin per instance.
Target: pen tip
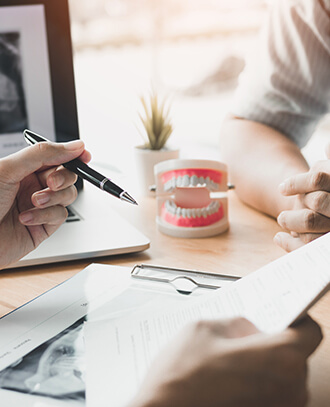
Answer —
(127, 198)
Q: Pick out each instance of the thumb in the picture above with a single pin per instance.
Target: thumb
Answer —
(17, 166)
(304, 335)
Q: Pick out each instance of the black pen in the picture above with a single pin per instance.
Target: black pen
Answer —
(85, 172)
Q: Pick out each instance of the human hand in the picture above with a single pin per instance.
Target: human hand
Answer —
(231, 363)
(310, 217)
(34, 191)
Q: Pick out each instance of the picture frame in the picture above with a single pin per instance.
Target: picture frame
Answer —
(41, 93)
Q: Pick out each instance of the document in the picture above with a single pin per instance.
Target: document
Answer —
(120, 350)
(42, 353)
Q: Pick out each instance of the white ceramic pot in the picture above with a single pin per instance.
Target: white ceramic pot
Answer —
(145, 160)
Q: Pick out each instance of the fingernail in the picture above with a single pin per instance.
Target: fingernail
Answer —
(26, 217)
(58, 180)
(279, 219)
(74, 145)
(282, 187)
(277, 240)
(42, 198)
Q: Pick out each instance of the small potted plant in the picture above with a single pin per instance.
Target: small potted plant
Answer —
(157, 128)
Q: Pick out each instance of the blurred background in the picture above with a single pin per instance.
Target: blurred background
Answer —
(191, 51)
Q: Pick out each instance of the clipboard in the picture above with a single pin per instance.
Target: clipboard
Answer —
(183, 280)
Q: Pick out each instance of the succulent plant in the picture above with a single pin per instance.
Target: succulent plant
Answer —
(156, 122)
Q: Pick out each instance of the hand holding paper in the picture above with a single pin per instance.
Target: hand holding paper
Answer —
(121, 351)
(233, 362)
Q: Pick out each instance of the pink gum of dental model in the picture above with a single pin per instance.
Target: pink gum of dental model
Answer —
(185, 206)
(191, 222)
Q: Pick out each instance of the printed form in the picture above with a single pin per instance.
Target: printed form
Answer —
(119, 351)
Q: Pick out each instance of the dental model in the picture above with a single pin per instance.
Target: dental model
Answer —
(191, 197)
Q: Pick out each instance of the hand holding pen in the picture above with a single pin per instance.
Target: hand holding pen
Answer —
(85, 172)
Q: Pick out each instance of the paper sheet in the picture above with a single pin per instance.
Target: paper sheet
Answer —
(41, 343)
(42, 357)
(119, 351)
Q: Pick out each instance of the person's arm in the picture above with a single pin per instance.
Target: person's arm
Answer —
(34, 191)
(281, 97)
(230, 363)
(259, 159)
(271, 175)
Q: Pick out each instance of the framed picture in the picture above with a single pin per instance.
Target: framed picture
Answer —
(37, 89)
(25, 82)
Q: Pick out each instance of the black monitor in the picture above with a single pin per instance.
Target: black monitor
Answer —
(37, 89)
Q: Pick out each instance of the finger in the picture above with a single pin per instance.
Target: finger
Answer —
(306, 335)
(318, 201)
(294, 234)
(54, 215)
(308, 237)
(85, 157)
(48, 198)
(288, 242)
(57, 178)
(304, 221)
(307, 182)
(234, 327)
(37, 157)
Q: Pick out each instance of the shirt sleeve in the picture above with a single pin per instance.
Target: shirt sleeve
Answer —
(286, 82)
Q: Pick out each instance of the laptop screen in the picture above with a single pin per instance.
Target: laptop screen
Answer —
(36, 72)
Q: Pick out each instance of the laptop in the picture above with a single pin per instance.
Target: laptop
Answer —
(37, 91)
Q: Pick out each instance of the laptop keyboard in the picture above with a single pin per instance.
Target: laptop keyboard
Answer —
(73, 216)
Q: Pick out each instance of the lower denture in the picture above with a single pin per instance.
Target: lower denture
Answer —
(191, 221)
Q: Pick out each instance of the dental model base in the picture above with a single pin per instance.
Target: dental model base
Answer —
(191, 197)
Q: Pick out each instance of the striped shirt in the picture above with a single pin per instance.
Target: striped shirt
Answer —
(286, 83)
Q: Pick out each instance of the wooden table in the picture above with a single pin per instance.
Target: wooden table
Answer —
(247, 246)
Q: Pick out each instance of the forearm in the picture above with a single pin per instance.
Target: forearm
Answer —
(259, 159)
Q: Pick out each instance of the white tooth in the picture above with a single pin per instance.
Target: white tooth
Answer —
(213, 207)
(194, 180)
(204, 212)
(179, 182)
(189, 213)
(207, 180)
(199, 212)
(173, 182)
(170, 208)
(168, 185)
(178, 212)
(201, 180)
(215, 186)
(185, 181)
(167, 205)
(184, 212)
(193, 213)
